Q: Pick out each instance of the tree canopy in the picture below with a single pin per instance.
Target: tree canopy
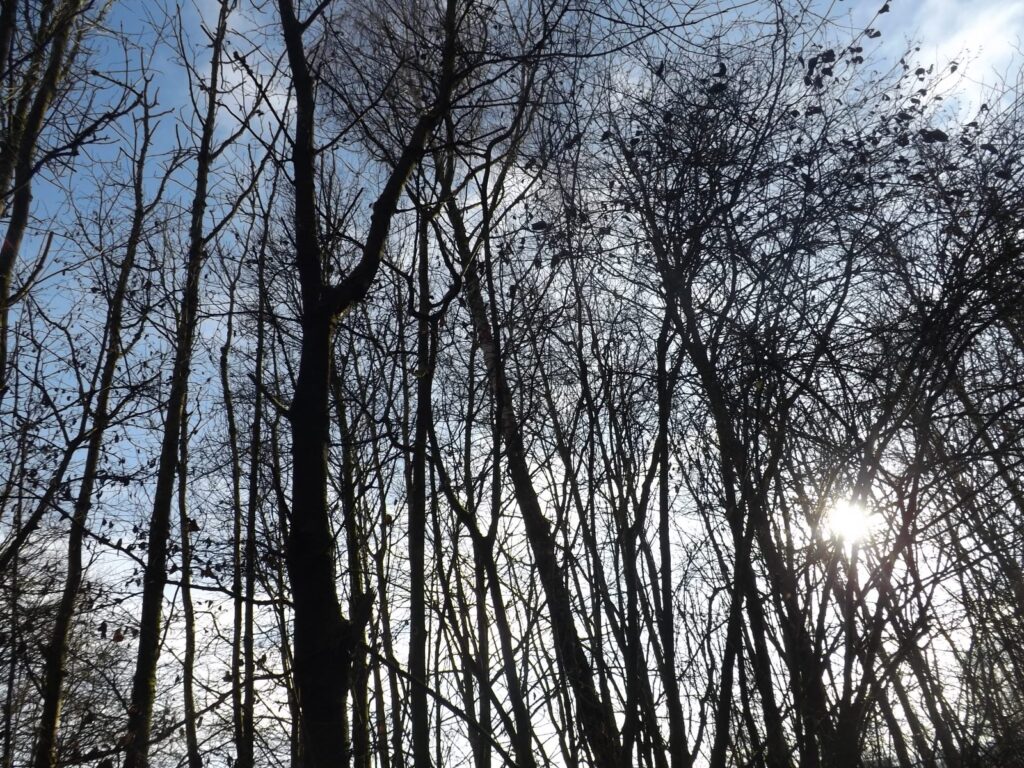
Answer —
(459, 382)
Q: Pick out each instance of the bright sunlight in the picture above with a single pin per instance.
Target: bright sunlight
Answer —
(850, 522)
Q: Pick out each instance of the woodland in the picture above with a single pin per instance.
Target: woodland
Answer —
(506, 383)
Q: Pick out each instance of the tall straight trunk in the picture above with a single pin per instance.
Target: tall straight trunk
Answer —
(419, 712)
(187, 527)
(237, 528)
(723, 711)
(597, 721)
(281, 607)
(383, 625)
(482, 751)
(523, 735)
(677, 742)
(247, 725)
(325, 640)
(140, 711)
(359, 598)
(381, 747)
(45, 755)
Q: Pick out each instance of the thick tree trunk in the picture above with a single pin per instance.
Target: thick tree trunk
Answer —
(325, 640)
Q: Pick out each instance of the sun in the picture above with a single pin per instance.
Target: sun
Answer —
(850, 522)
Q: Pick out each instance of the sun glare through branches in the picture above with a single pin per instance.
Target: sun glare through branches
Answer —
(850, 523)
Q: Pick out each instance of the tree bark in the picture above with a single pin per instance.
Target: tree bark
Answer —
(326, 640)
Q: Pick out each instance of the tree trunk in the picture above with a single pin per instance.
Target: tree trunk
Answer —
(140, 711)
(424, 376)
(186, 526)
(25, 137)
(596, 718)
(325, 640)
(54, 673)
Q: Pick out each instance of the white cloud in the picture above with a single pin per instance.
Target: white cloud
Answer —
(984, 35)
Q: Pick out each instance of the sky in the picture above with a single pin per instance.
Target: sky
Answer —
(988, 31)
(983, 36)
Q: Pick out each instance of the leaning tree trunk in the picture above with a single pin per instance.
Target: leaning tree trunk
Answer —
(56, 655)
(19, 156)
(597, 720)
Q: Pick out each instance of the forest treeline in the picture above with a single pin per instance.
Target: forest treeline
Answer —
(478, 383)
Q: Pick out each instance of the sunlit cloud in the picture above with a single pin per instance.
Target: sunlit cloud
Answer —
(983, 37)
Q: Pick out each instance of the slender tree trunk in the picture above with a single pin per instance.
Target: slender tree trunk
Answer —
(359, 598)
(482, 751)
(187, 527)
(56, 657)
(383, 625)
(596, 718)
(140, 713)
(732, 468)
(418, 514)
(16, 647)
(281, 608)
(677, 740)
(483, 557)
(246, 745)
(237, 529)
(26, 138)
(723, 710)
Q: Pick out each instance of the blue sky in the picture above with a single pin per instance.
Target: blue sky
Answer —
(982, 35)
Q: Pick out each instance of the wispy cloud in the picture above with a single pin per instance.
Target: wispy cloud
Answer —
(984, 37)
